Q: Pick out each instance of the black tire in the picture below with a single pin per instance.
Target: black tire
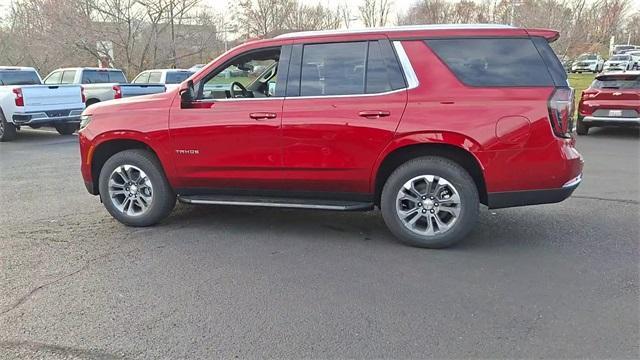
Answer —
(163, 197)
(581, 128)
(7, 130)
(66, 129)
(91, 102)
(445, 169)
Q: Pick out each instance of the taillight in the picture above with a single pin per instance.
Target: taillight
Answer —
(84, 97)
(19, 98)
(117, 92)
(561, 112)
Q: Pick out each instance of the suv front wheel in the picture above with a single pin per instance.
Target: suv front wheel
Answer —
(430, 202)
(134, 189)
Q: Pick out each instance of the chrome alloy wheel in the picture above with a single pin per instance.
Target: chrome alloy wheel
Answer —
(428, 205)
(130, 190)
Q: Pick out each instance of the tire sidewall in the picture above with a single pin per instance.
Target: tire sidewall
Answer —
(446, 169)
(163, 195)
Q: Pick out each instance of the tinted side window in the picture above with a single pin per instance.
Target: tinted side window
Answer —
(333, 69)
(94, 77)
(377, 77)
(117, 77)
(493, 62)
(155, 77)
(68, 76)
(175, 77)
(53, 78)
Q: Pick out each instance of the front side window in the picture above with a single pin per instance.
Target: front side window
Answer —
(251, 75)
(333, 69)
(155, 77)
(142, 78)
(68, 77)
(54, 78)
(500, 62)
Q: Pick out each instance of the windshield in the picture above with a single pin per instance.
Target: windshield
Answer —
(620, 58)
(19, 77)
(587, 57)
(617, 82)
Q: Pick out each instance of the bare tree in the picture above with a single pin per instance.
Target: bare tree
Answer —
(375, 12)
(263, 18)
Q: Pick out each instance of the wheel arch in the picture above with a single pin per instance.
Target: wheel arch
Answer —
(105, 149)
(459, 154)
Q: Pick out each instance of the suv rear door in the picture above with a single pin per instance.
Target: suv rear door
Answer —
(343, 104)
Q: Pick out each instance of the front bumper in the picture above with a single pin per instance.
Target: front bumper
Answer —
(507, 199)
(610, 121)
(47, 117)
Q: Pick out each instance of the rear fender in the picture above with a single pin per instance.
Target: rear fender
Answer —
(422, 138)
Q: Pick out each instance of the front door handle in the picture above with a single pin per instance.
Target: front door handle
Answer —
(263, 115)
(374, 114)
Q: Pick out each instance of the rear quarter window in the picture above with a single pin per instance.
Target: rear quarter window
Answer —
(510, 62)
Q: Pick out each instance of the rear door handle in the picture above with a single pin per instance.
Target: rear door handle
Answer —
(263, 115)
(374, 114)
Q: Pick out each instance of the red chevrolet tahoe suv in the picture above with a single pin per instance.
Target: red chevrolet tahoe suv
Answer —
(613, 99)
(425, 123)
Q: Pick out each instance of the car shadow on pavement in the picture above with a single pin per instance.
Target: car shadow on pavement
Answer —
(617, 132)
(505, 229)
(41, 135)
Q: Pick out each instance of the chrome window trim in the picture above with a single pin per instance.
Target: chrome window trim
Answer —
(345, 96)
(405, 63)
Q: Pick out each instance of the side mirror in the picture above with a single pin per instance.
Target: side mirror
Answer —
(187, 94)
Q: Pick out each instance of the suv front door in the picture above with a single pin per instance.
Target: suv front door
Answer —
(229, 136)
(344, 102)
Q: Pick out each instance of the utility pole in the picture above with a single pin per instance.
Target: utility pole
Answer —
(173, 35)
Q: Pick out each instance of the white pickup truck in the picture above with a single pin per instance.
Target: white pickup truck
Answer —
(100, 84)
(24, 101)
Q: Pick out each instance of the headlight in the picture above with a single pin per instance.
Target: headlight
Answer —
(84, 121)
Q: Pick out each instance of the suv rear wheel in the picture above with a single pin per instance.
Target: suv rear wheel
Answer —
(430, 202)
(134, 189)
(581, 128)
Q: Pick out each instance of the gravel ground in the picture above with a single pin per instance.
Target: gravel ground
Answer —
(552, 281)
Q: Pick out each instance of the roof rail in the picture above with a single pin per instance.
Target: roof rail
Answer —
(394, 29)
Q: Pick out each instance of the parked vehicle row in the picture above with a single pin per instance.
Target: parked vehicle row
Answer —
(59, 99)
(25, 101)
(624, 58)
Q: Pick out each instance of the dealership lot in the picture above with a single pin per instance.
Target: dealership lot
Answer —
(545, 281)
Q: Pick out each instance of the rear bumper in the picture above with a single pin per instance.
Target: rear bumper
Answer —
(533, 197)
(610, 121)
(49, 117)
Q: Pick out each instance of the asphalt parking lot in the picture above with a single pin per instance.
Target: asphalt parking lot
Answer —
(552, 281)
